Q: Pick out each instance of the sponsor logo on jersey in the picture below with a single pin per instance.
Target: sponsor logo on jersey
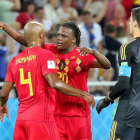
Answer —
(72, 57)
(51, 64)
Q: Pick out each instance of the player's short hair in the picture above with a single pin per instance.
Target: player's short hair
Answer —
(39, 8)
(75, 30)
(110, 28)
(136, 15)
(84, 13)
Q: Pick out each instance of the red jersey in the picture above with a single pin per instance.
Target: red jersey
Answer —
(23, 18)
(36, 97)
(73, 69)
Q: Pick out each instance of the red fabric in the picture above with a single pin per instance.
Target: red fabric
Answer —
(73, 69)
(32, 130)
(23, 18)
(127, 5)
(33, 61)
(74, 128)
(123, 23)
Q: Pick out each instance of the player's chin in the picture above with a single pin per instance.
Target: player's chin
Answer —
(59, 46)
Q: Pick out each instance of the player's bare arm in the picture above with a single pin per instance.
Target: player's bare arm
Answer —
(4, 95)
(100, 62)
(56, 83)
(16, 35)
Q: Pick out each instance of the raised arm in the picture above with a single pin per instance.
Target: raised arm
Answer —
(16, 35)
(87, 5)
(56, 83)
(102, 12)
(16, 5)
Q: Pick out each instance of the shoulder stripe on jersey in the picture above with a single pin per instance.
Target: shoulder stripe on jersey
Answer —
(122, 50)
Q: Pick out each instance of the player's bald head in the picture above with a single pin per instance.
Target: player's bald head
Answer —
(33, 30)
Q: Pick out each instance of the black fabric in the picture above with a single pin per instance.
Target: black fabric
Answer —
(120, 87)
(123, 132)
(128, 110)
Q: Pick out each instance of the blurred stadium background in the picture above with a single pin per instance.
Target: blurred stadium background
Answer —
(107, 21)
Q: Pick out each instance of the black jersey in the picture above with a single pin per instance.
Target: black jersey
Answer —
(128, 111)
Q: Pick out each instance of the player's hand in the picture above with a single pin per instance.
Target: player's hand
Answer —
(84, 50)
(102, 104)
(90, 99)
(3, 111)
(1, 25)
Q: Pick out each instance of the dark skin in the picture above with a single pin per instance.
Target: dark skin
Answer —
(34, 34)
(65, 42)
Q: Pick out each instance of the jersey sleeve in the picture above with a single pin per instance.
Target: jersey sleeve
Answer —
(49, 46)
(9, 76)
(125, 60)
(48, 64)
(125, 55)
(88, 61)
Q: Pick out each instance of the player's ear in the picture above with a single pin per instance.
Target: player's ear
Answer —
(40, 35)
(135, 23)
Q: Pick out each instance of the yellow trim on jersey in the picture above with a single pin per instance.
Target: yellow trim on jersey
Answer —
(122, 50)
(113, 130)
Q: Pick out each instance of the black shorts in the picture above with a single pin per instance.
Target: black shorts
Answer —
(123, 132)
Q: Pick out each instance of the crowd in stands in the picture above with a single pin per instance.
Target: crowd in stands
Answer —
(103, 25)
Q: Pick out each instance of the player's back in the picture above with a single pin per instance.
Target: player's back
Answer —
(128, 111)
(36, 97)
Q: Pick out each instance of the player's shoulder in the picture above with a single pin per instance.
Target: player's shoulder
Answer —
(127, 51)
(44, 53)
(82, 57)
(129, 45)
(50, 46)
(13, 60)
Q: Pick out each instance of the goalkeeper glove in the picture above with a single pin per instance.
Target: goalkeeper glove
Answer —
(103, 103)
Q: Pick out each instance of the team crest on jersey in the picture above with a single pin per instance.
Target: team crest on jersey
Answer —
(62, 65)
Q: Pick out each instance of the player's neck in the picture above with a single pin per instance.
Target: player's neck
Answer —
(65, 51)
(34, 44)
(137, 33)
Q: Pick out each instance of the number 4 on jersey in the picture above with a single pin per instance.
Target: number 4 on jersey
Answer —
(26, 81)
